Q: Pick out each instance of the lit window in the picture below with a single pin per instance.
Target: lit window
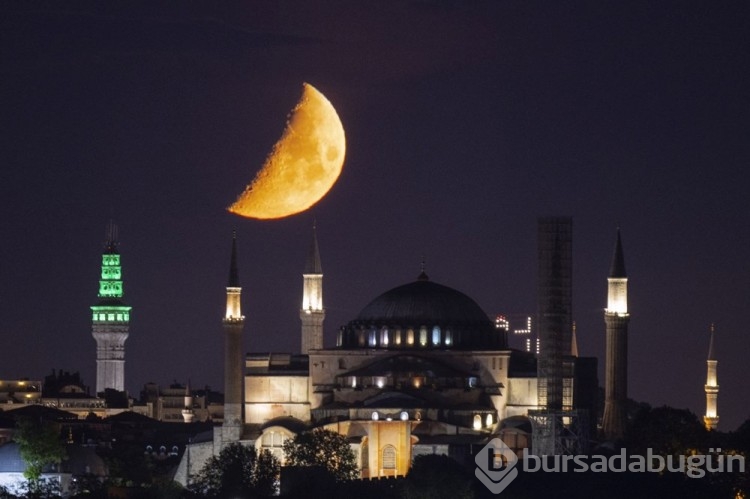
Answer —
(404, 416)
(110, 317)
(389, 457)
(448, 337)
(372, 337)
(488, 420)
(410, 337)
(435, 335)
(375, 416)
(423, 336)
(384, 336)
(477, 422)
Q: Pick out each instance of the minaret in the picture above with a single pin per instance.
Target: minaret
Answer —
(616, 318)
(711, 419)
(574, 341)
(233, 324)
(110, 319)
(187, 412)
(312, 313)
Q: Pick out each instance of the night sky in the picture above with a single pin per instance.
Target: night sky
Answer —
(465, 122)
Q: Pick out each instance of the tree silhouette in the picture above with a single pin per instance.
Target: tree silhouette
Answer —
(435, 476)
(238, 471)
(322, 448)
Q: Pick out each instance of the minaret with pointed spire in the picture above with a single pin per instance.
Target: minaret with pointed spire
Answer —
(312, 312)
(233, 325)
(711, 419)
(110, 319)
(616, 318)
(574, 341)
(187, 412)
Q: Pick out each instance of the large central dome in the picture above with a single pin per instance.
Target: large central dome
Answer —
(421, 314)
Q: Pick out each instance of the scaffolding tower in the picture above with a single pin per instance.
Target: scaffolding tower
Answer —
(555, 433)
(555, 307)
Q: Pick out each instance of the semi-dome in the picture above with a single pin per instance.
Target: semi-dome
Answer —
(422, 314)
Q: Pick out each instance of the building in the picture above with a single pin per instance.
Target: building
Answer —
(110, 321)
(179, 403)
(421, 369)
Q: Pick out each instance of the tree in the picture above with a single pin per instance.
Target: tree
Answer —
(666, 430)
(322, 448)
(238, 471)
(40, 445)
(433, 476)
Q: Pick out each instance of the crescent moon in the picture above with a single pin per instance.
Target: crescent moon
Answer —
(302, 166)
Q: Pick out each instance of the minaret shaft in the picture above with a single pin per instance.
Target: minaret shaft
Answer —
(616, 319)
(711, 419)
(233, 325)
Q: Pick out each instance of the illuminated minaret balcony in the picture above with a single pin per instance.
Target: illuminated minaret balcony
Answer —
(617, 296)
(234, 309)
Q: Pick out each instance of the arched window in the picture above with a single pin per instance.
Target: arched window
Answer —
(273, 441)
(410, 337)
(373, 337)
(448, 337)
(365, 456)
(423, 336)
(397, 337)
(477, 422)
(389, 457)
(436, 335)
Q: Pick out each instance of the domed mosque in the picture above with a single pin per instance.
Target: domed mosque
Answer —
(420, 370)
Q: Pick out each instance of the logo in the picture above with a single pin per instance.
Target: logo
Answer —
(496, 466)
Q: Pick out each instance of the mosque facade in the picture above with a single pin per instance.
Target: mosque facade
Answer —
(422, 369)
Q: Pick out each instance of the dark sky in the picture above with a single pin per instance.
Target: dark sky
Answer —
(465, 122)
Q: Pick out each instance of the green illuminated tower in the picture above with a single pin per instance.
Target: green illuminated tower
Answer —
(110, 324)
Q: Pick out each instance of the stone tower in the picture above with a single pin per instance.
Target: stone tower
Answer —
(110, 321)
(711, 419)
(233, 324)
(616, 318)
(312, 313)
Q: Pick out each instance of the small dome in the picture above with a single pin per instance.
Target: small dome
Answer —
(422, 314)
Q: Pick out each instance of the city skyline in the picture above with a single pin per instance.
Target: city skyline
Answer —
(464, 124)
